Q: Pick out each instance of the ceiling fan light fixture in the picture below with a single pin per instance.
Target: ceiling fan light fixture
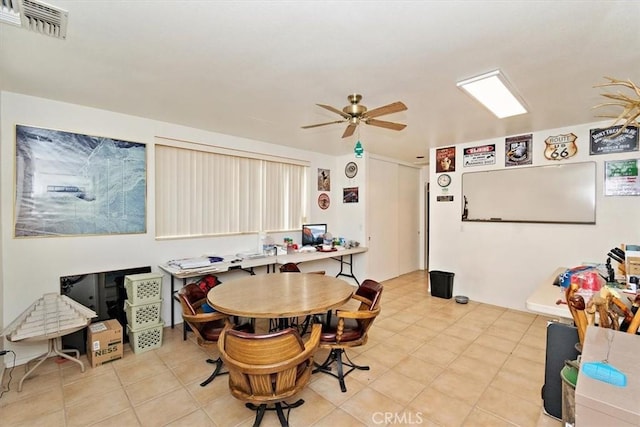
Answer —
(494, 91)
(356, 113)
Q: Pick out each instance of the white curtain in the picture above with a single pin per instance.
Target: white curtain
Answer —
(201, 192)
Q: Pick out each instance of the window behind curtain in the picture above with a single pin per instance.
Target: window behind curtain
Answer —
(203, 192)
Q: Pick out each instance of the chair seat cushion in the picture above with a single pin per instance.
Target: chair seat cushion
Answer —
(211, 330)
(351, 332)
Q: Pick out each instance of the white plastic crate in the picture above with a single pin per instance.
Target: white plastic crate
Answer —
(142, 315)
(145, 339)
(143, 288)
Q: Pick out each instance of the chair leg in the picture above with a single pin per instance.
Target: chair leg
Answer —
(282, 323)
(336, 356)
(218, 362)
(185, 328)
(278, 324)
(284, 421)
(279, 407)
(259, 412)
(304, 327)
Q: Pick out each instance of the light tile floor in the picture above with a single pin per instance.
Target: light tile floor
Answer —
(433, 363)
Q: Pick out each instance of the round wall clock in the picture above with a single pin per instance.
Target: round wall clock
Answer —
(351, 169)
(444, 180)
(323, 201)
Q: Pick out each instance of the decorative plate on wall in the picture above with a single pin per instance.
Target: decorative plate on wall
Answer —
(323, 201)
(351, 169)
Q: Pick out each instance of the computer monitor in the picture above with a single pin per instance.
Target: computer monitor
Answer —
(312, 234)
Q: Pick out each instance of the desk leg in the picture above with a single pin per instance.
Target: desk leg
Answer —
(173, 322)
(350, 264)
(185, 327)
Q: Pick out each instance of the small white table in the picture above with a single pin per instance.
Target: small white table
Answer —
(49, 318)
(544, 299)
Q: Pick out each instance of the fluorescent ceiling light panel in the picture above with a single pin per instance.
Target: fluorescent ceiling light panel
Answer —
(492, 90)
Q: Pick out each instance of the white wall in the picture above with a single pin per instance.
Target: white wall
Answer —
(502, 263)
(31, 267)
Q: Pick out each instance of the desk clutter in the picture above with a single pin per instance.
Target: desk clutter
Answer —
(592, 300)
(143, 307)
(214, 263)
(603, 303)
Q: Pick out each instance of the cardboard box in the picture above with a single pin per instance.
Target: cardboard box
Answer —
(104, 342)
(633, 266)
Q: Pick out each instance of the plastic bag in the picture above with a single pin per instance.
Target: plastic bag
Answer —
(565, 278)
(587, 278)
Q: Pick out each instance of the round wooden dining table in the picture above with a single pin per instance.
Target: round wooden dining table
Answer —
(280, 295)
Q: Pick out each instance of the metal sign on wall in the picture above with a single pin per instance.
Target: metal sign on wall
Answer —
(605, 141)
(560, 147)
(480, 156)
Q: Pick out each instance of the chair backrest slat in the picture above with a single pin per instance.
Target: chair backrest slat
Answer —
(273, 348)
(371, 290)
(263, 367)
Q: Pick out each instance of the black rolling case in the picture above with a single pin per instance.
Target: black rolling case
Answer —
(561, 346)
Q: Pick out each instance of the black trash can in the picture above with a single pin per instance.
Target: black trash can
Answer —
(441, 284)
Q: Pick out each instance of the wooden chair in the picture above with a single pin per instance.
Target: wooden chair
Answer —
(268, 369)
(206, 326)
(349, 329)
(292, 267)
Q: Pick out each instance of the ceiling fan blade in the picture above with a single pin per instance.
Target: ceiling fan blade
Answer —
(387, 109)
(334, 110)
(349, 130)
(385, 124)
(322, 124)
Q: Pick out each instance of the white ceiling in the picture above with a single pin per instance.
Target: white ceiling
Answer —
(256, 69)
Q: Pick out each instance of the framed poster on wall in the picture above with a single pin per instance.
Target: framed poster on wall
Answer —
(70, 184)
(621, 178)
(518, 150)
(446, 159)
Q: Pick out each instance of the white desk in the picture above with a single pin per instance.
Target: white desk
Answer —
(543, 299)
(343, 256)
(229, 264)
(338, 255)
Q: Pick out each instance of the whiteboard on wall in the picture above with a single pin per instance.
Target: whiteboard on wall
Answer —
(563, 193)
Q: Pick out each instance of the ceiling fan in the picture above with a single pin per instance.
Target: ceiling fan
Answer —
(355, 113)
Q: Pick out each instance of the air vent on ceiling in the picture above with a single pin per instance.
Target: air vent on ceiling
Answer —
(35, 16)
(10, 12)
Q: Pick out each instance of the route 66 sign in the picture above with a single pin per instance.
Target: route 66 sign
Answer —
(560, 147)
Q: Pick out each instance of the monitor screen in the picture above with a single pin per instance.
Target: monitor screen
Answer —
(312, 234)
